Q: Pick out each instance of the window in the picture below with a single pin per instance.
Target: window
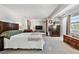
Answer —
(74, 24)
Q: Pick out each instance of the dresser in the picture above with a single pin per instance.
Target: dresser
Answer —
(72, 41)
(1, 43)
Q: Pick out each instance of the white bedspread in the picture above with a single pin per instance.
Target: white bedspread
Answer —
(34, 37)
(21, 41)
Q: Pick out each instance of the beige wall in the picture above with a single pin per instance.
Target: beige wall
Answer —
(34, 22)
(23, 22)
(37, 22)
(63, 25)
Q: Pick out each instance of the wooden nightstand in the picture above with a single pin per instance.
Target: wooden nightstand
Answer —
(1, 43)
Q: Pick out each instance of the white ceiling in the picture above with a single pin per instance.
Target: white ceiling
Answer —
(38, 11)
(30, 10)
(71, 9)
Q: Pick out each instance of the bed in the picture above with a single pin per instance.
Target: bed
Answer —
(24, 41)
(20, 40)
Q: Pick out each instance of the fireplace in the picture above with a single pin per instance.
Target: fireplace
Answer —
(39, 28)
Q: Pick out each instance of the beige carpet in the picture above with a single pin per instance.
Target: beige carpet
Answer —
(53, 45)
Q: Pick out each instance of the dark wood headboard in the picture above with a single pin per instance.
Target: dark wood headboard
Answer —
(5, 26)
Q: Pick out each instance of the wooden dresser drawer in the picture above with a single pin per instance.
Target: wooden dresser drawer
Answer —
(74, 42)
(77, 41)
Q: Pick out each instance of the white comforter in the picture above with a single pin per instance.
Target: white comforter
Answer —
(22, 41)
